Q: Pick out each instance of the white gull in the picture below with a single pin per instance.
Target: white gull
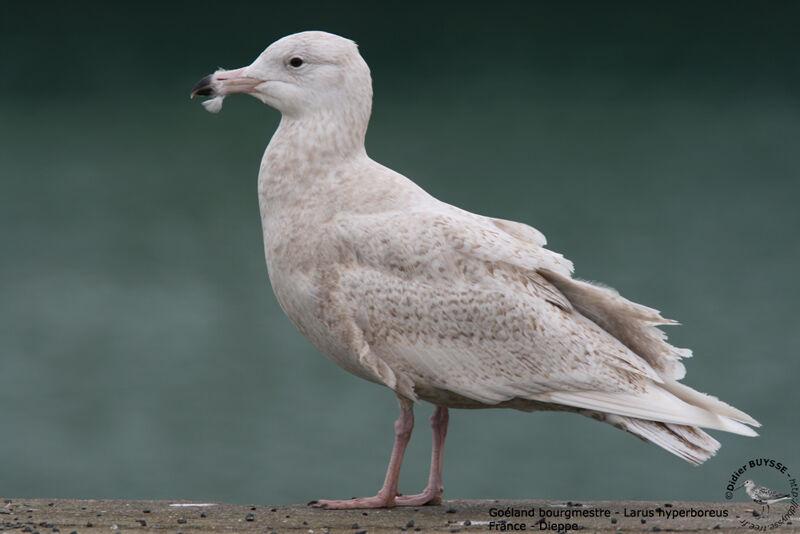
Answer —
(434, 302)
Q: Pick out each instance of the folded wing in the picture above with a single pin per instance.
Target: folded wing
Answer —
(476, 306)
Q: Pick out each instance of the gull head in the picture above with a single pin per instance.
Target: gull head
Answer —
(747, 484)
(305, 74)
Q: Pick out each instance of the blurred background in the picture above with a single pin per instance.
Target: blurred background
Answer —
(143, 355)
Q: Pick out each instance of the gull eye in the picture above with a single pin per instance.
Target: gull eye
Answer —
(296, 62)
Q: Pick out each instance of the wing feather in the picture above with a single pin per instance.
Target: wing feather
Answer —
(477, 307)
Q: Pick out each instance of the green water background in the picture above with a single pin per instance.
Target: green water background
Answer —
(143, 355)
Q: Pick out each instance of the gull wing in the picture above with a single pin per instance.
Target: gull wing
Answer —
(459, 304)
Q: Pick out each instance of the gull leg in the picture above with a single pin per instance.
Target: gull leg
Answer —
(432, 494)
(386, 496)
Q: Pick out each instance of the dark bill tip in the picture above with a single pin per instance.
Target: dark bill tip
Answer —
(203, 88)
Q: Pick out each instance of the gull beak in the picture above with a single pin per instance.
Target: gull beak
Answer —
(739, 486)
(225, 82)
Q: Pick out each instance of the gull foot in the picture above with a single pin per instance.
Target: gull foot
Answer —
(378, 501)
(427, 497)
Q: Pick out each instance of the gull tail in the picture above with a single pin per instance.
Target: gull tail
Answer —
(668, 413)
(687, 442)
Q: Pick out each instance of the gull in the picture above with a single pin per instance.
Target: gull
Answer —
(762, 495)
(436, 303)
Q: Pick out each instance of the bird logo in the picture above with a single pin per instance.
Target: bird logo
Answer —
(762, 495)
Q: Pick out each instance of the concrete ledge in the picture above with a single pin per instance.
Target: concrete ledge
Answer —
(168, 517)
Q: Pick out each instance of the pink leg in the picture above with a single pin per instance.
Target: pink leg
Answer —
(386, 495)
(432, 494)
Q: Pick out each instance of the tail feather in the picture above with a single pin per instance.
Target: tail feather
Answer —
(687, 442)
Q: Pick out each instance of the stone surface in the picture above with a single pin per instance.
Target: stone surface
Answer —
(168, 517)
